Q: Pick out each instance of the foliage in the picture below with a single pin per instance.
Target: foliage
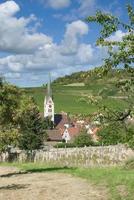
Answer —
(75, 77)
(20, 120)
(31, 125)
(48, 123)
(9, 101)
(110, 135)
(83, 139)
(94, 75)
(120, 55)
(8, 137)
(130, 136)
(65, 145)
(114, 133)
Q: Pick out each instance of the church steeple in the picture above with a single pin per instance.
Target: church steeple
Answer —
(49, 91)
(48, 102)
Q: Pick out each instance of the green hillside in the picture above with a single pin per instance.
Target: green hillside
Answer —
(68, 99)
(97, 74)
(71, 98)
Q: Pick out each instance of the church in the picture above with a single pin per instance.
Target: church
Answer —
(60, 121)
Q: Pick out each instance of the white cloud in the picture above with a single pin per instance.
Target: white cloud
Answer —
(117, 36)
(15, 35)
(8, 8)
(84, 9)
(52, 56)
(85, 53)
(11, 75)
(34, 54)
(58, 4)
(34, 77)
(76, 27)
(74, 30)
(87, 7)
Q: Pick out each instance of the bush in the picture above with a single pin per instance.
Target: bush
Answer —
(116, 133)
(131, 143)
(109, 135)
(8, 137)
(83, 139)
(65, 145)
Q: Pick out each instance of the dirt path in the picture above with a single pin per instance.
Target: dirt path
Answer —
(46, 186)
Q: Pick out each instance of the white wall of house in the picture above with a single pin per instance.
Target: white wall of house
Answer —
(66, 135)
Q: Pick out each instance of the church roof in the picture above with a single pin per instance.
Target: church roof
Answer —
(49, 90)
(54, 135)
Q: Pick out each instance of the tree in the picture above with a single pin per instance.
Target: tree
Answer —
(20, 121)
(120, 56)
(31, 125)
(9, 101)
(48, 123)
(83, 139)
(120, 53)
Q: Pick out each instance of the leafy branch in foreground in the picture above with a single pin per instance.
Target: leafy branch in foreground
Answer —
(120, 56)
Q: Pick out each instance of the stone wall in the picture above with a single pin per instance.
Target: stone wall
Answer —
(87, 156)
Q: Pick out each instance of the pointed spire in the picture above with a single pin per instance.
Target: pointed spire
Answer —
(49, 92)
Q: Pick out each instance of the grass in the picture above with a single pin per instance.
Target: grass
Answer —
(119, 181)
(67, 98)
(76, 84)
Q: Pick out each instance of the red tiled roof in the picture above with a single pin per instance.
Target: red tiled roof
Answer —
(54, 135)
(73, 131)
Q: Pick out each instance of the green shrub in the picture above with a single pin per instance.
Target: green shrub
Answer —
(65, 145)
(131, 143)
(83, 139)
(117, 133)
(8, 137)
(109, 135)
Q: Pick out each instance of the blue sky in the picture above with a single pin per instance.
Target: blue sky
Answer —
(42, 36)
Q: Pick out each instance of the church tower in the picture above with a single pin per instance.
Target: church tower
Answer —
(48, 102)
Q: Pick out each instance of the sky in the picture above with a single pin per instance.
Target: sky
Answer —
(38, 37)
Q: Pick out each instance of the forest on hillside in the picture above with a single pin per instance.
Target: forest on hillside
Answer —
(94, 75)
